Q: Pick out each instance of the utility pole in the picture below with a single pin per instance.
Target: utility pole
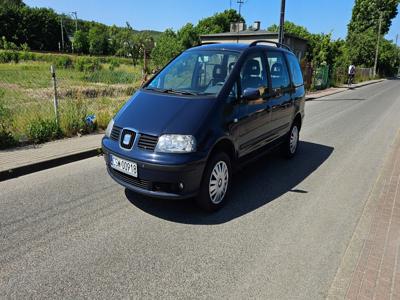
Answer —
(377, 44)
(282, 22)
(75, 16)
(62, 33)
(398, 70)
(240, 2)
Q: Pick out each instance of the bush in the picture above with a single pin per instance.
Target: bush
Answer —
(43, 130)
(86, 64)
(64, 62)
(25, 55)
(103, 117)
(7, 56)
(113, 64)
(109, 77)
(6, 138)
(73, 115)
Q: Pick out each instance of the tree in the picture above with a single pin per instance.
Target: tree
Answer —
(366, 14)
(292, 28)
(188, 36)
(81, 42)
(389, 58)
(219, 22)
(146, 44)
(98, 41)
(14, 3)
(127, 44)
(363, 33)
(167, 47)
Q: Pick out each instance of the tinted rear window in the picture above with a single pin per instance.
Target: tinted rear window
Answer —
(295, 70)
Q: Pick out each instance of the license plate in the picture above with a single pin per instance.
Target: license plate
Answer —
(123, 165)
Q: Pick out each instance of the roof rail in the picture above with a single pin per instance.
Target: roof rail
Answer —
(208, 43)
(279, 45)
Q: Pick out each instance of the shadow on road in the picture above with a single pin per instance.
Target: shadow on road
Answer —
(347, 99)
(254, 186)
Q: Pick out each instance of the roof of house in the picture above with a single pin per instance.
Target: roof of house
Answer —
(232, 46)
(248, 33)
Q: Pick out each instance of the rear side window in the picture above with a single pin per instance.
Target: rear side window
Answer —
(279, 71)
(295, 70)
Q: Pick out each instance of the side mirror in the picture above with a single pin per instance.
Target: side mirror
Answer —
(250, 94)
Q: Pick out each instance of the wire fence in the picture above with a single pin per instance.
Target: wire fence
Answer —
(36, 106)
(324, 76)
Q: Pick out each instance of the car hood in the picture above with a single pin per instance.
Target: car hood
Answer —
(155, 113)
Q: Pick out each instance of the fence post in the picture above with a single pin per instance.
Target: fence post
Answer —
(53, 75)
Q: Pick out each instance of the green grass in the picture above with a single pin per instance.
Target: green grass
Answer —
(26, 92)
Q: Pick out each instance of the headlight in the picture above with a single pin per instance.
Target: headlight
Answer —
(176, 143)
(109, 128)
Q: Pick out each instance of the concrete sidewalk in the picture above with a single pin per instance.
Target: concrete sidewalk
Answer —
(19, 161)
(335, 90)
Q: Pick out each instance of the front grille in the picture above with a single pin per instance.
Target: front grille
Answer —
(147, 142)
(144, 184)
(130, 135)
(115, 132)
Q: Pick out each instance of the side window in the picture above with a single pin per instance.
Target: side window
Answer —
(295, 70)
(279, 71)
(253, 73)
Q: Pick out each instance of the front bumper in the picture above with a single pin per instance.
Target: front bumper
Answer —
(159, 180)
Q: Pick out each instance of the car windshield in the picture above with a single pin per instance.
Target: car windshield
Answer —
(201, 72)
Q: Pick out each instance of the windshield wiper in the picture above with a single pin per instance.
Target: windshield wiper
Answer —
(171, 91)
(155, 89)
(179, 92)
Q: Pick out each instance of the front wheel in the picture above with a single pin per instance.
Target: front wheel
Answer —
(216, 181)
(292, 141)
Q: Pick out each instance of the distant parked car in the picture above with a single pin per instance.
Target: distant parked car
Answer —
(208, 110)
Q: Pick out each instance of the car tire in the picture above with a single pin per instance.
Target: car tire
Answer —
(291, 144)
(216, 183)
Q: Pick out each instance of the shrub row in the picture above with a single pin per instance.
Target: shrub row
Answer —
(63, 60)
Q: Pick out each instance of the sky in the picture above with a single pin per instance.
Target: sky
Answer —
(316, 15)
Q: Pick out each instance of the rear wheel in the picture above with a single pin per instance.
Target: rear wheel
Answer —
(292, 141)
(216, 181)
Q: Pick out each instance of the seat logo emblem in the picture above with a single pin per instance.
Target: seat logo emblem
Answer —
(127, 139)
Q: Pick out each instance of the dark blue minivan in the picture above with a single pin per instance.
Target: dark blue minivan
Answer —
(209, 109)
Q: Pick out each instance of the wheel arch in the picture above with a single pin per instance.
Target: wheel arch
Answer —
(225, 145)
(298, 120)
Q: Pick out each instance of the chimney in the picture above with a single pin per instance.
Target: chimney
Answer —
(237, 26)
(256, 25)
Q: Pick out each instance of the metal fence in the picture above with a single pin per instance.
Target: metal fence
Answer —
(324, 76)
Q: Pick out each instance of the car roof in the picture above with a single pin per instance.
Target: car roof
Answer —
(238, 47)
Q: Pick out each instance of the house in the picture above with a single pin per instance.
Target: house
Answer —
(239, 34)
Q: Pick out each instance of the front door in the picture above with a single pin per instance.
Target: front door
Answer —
(253, 116)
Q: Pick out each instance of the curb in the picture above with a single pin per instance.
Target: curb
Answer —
(47, 164)
(333, 93)
(345, 89)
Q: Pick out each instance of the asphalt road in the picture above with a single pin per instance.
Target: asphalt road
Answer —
(71, 232)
